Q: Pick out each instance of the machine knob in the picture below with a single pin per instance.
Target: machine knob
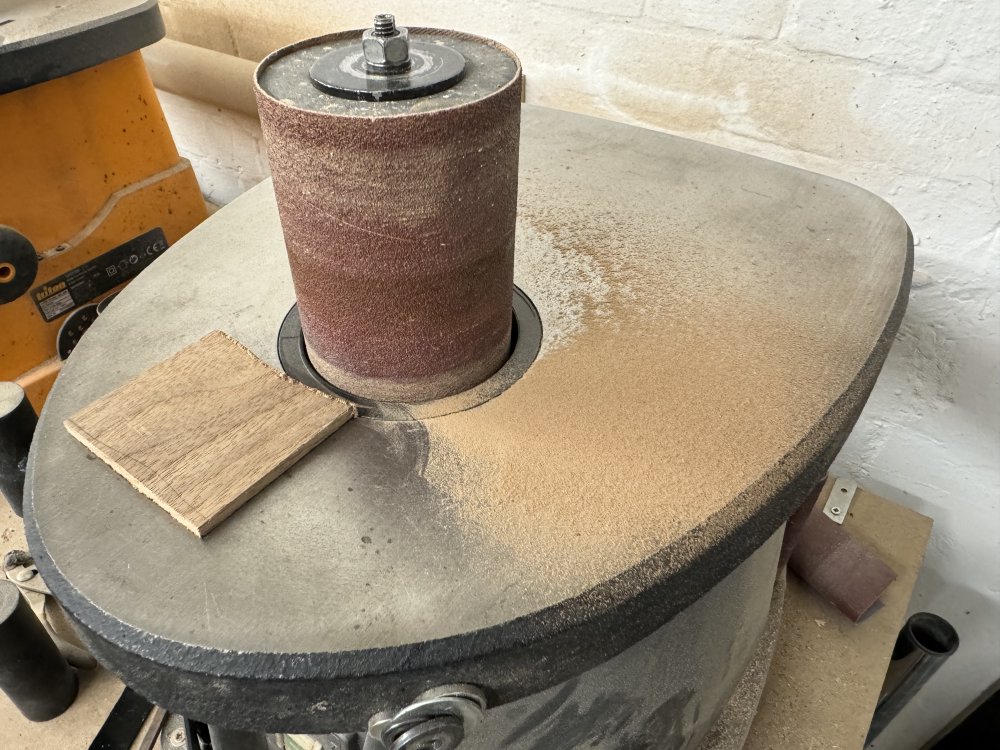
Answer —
(442, 733)
(438, 719)
(18, 264)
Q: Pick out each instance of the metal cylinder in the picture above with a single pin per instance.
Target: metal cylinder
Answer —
(398, 214)
(923, 645)
(33, 673)
(17, 426)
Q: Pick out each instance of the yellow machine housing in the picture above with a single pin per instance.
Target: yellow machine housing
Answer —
(92, 179)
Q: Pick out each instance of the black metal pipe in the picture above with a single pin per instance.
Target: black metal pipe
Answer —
(17, 425)
(33, 673)
(232, 739)
(923, 645)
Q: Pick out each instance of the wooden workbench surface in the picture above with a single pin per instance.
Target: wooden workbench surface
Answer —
(821, 691)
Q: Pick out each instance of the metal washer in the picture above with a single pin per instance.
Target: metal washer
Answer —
(342, 72)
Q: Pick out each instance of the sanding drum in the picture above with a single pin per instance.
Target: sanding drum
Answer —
(394, 156)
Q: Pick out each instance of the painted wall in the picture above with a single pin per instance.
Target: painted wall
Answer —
(902, 98)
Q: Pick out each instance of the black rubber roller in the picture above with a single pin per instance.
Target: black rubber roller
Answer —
(18, 264)
(17, 426)
(33, 673)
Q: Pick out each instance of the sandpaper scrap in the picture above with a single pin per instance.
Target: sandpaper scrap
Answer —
(797, 521)
(206, 429)
(845, 572)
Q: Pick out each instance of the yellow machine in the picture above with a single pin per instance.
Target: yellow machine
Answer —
(92, 189)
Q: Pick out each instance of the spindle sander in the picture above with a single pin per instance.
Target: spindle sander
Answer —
(93, 189)
(597, 368)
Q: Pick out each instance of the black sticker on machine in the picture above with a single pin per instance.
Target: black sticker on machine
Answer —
(84, 283)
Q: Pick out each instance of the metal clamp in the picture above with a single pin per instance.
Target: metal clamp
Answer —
(438, 719)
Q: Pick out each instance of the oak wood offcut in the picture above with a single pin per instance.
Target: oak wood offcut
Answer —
(205, 430)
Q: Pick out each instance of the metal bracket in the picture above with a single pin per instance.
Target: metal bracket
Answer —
(839, 501)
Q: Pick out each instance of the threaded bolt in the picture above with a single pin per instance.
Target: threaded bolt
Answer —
(385, 24)
(386, 47)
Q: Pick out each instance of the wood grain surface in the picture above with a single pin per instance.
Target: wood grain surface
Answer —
(203, 431)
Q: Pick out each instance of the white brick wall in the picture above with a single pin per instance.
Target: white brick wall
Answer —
(901, 97)
(953, 39)
(760, 19)
(620, 8)
(225, 147)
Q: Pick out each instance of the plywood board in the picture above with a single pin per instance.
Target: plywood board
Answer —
(205, 430)
(827, 671)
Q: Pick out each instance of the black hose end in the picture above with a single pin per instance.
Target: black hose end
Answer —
(17, 426)
(929, 633)
(33, 673)
(923, 645)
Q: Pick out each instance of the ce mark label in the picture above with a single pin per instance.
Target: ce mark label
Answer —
(128, 267)
(85, 282)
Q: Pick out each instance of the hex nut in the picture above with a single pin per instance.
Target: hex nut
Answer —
(386, 51)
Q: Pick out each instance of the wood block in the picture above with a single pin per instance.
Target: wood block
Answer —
(205, 430)
(827, 671)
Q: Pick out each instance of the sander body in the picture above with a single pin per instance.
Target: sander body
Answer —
(93, 189)
(557, 520)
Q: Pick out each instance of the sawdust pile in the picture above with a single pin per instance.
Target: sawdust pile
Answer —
(653, 403)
